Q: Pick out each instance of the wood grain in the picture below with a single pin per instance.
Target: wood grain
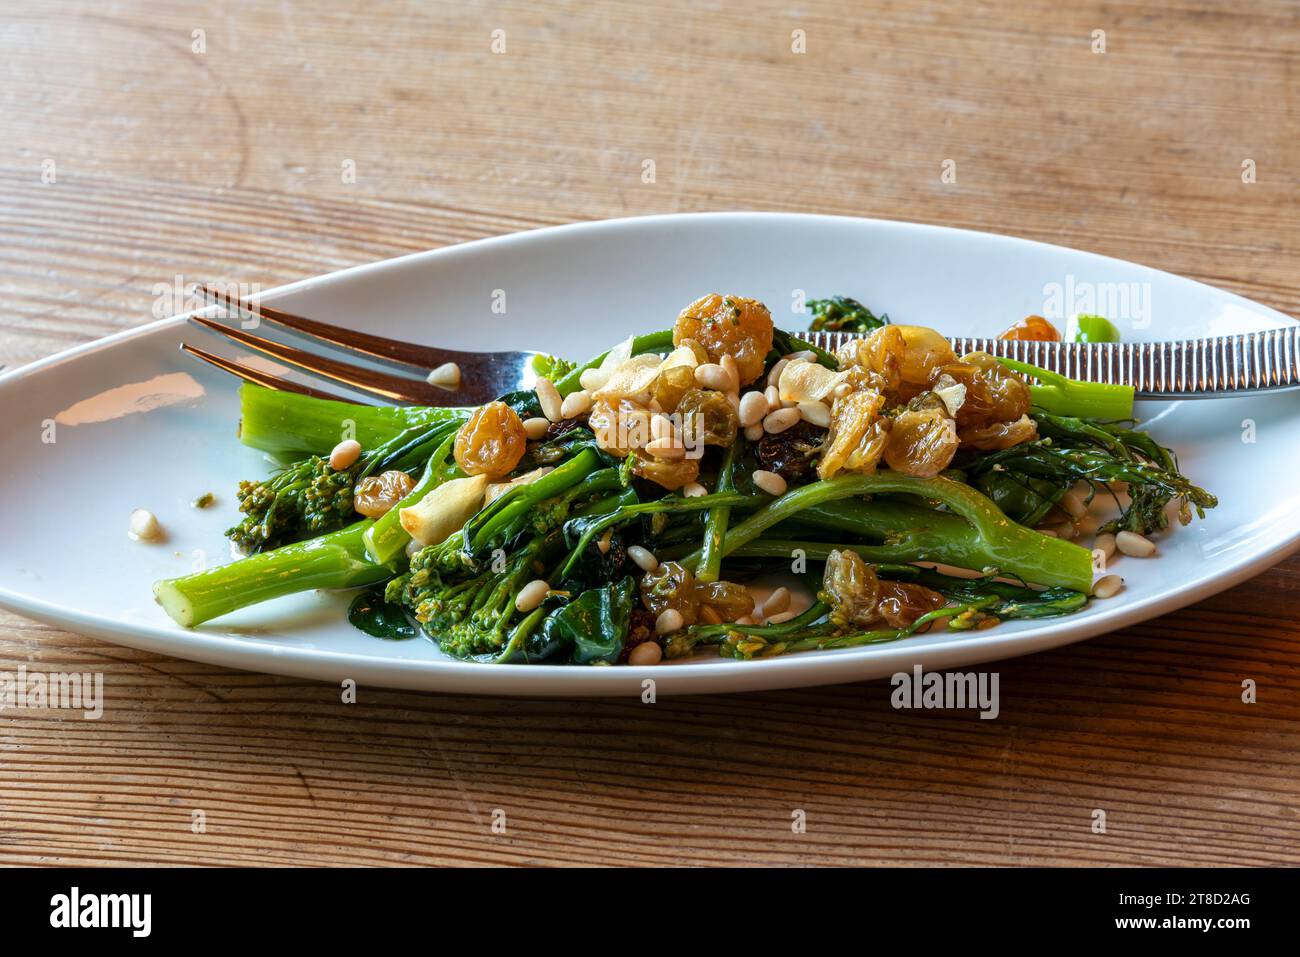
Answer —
(228, 163)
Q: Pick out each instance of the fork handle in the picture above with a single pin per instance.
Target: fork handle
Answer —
(1245, 364)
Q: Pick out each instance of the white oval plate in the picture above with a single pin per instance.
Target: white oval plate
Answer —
(138, 424)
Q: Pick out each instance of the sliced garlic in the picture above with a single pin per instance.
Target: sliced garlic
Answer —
(444, 510)
(496, 489)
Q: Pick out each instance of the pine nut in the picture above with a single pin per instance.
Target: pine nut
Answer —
(1135, 545)
(143, 526)
(841, 390)
(644, 558)
(744, 620)
(709, 615)
(604, 541)
(773, 396)
(669, 621)
(780, 420)
(1107, 586)
(575, 404)
(345, 454)
(815, 413)
(646, 653)
(753, 406)
(804, 354)
(661, 427)
(769, 482)
(694, 490)
(1066, 530)
(446, 376)
(549, 399)
(532, 595)
(535, 428)
(777, 602)
(666, 448)
(1106, 543)
(781, 617)
(734, 399)
(1049, 532)
(774, 377)
(729, 366)
(713, 376)
(594, 380)
(754, 433)
(1073, 504)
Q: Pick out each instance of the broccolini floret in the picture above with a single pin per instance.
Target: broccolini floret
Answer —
(307, 499)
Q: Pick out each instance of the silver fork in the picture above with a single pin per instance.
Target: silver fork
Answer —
(483, 375)
(1245, 364)
(1253, 362)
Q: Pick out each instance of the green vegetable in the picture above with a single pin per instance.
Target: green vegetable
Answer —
(585, 530)
(380, 619)
(1071, 449)
(986, 537)
(552, 367)
(289, 425)
(1090, 400)
(1095, 329)
(336, 560)
(311, 498)
(591, 629)
(715, 522)
(842, 314)
(469, 613)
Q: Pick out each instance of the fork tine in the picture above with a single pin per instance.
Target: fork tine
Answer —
(423, 358)
(369, 381)
(257, 377)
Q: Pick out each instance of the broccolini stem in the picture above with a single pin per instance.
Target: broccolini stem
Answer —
(1087, 400)
(684, 642)
(671, 503)
(994, 539)
(336, 560)
(521, 499)
(290, 425)
(754, 648)
(715, 523)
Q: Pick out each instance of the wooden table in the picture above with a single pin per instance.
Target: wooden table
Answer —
(228, 162)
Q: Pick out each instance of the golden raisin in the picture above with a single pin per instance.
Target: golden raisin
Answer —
(671, 586)
(730, 600)
(672, 474)
(925, 351)
(993, 392)
(619, 427)
(708, 418)
(999, 435)
(670, 385)
(879, 353)
(729, 325)
(1031, 329)
(851, 588)
(857, 437)
(375, 495)
(902, 603)
(921, 442)
(492, 442)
